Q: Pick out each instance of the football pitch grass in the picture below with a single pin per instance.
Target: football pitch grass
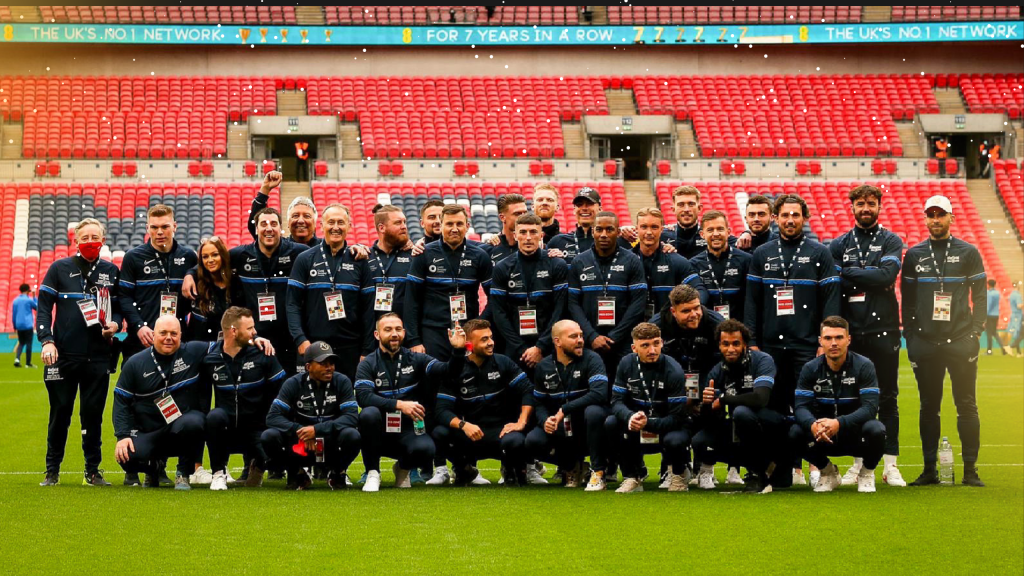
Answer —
(72, 528)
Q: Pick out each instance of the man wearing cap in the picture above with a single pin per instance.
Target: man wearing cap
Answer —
(314, 419)
(607, 292)
(723, 269)
(943, 289)
(586, 204)
(868, 259)
(663, 271)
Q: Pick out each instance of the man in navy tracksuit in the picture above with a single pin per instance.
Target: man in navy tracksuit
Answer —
(722, 268)
(158, 405)
(484, 411)
(393, 387)
(529, 293)
(868, 259)
(758, 217)
(571, 394)
(688, 335)
(792, 286)
(151, 278)
(836, 402)
(500, 248)
(443, 286)
(244, 381)
(586, 204)
(662, 271)
(944, 312)
(686, 234)
(736, 425)
(77, 342)
(389, 261)
(301, 213)
(649, 412)
(314, 419)
(330, 295)
(607, 292)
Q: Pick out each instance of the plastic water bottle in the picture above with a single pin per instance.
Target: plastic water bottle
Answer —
(419, 427)
(946, 474)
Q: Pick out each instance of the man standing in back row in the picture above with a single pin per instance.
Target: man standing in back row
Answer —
(943, 291)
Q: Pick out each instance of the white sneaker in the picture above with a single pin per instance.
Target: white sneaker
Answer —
(630, 485)
(891, 476)
(866, 480)
(830, 479)
(850, 477)
(372, 481)
(676, 483)
(201, 476)
(541, 468)
(596, 483)
(230, 479)
(533, 476)
(734, 478)
(480, 480)
(401, 477)
(665, 481)
(441, 476)
(219, 481)
(706, 477)
(798, 477)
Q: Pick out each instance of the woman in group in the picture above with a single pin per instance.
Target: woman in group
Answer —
(214, 287)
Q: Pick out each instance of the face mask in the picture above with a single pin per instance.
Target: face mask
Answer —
(90, 250)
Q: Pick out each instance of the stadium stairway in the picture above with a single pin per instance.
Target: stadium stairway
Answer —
(620, 102)
(349, 134)
(910, 137)
(238, 141)
(993, 216)
(949, 101)
(1018, 127)
(687, 140)
(639, 195)
(574, 134)
(291, 103)
(11, 134)
(309, 15)
(600, 15)
(290, 190)
(877, 14)
(25, 14)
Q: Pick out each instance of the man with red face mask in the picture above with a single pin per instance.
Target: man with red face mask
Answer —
(77, 338)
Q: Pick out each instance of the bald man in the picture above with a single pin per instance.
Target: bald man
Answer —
(571, 394)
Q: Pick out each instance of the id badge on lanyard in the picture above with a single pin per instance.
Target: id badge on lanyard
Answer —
(90, 312)
(168, 304)
(335, 305)
(384, 298)
(859, 297)
(943, 307)
(393, 424)
(606, 312)
(649, 437)
(527, 321)
(267, 304)
(168, 408)
(784, 302)
(692, 385)
(723, 310)
(457, 306)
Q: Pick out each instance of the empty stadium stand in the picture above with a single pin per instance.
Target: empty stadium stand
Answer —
(284, 15)
(994, 93)
(461, 15)
(630, 15)
(1010, 183)
(953, 13)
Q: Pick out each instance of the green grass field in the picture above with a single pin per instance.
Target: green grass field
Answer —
(84, 530)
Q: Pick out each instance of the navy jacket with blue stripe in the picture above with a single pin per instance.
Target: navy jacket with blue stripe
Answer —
(688, 241)
(815, 285)
(329, 407)
(142, 282)
(963, 275)
(850, 395)
(548, 281)
(875, 278)
(628, 287)
(397, 265)
(695, 350)
(307, 309)
(664, 272)
(64, 287)
(736, 383)
(421, 377)
(731, 289)
(665, 384)
(569, 388)
(431, 282)
(140, 385)
(492, 394)
(256, 274)
(246, 399)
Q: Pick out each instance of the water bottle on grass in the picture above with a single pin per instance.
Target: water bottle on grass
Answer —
(946, 474)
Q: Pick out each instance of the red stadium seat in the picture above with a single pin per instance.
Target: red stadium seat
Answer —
(384, 168)
(320, 168)
(249, 168)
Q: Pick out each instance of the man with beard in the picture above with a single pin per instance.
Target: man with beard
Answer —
(943, 290)
(330, 295)
(792, 286)
(688, 335)
(571, 393)
(686, 235)
(662, 271)
(868, 259)
(722, 268)
(759, 224)
(545, 206)
(394, 385)
(510, 208)
(390, 261)
(301, 212)
(607, 292)
(430, 220)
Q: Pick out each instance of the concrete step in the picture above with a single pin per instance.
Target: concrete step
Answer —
(620, 102)
(877, 14)
(687, 141)
(291, 103)
(949, 101)
(600, 15)
(910, 138)
(638, 196)
(22, 14)
(350, 146)
(1020, 144)
(12, 140)
(291, 190)
(573, 139)
(310, 15)
(238, 142)
(1004, 239)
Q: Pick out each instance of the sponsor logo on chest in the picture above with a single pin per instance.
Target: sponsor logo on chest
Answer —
(543, 274)
(179, 366)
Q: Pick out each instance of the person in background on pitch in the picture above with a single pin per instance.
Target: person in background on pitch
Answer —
(314, 419)
(993, 298)
(215, 290)
(77, 318)
(943, 289)
(836, 403)
(23, 318)
(868, 260)
(1015, 329)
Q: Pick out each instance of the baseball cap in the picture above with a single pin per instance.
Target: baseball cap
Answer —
(587, 193)
(319, 352)
(939, 201)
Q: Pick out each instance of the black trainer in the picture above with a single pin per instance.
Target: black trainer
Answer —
(755, 483)
(971, 477)
(95, 479)
(162, 477)
(276, 475)
(337, 481)
(253, 476)
(298, 480)
(928, 477)
(152, 480)
(131, 479)
(51, 479)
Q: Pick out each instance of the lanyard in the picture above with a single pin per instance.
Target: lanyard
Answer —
(391, 261)
(643, 385)
(273, 266)
(163, 271)
(567, 387)
(522, 272)
(608, 276)
(940, 273)
(87, 275)
(228, 361)
(458, 258)
(317, 407)
(393, 381)
(330, 269)
(160, 370)
(861, 256)
(711, 270)
(786, 270)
